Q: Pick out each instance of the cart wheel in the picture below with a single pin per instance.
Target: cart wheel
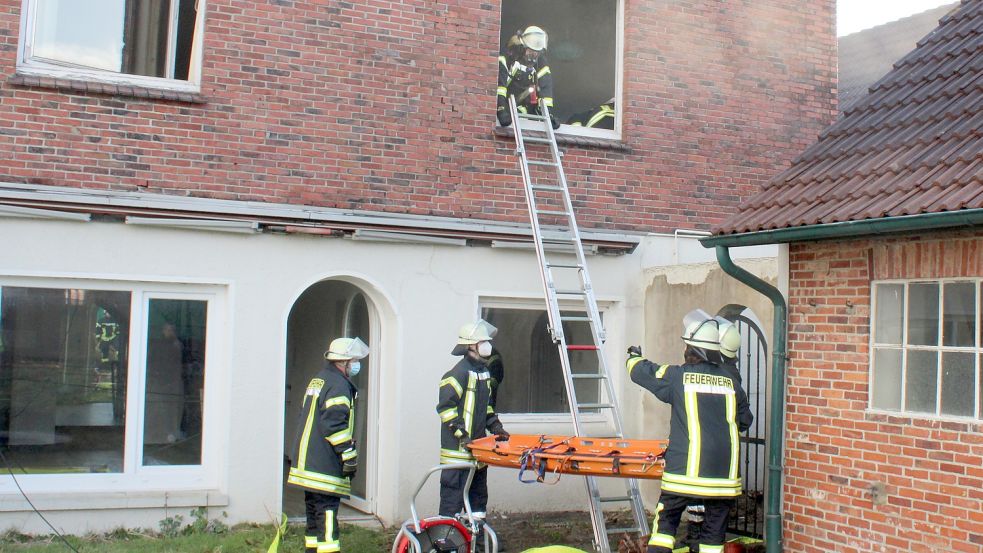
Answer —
(439, 535)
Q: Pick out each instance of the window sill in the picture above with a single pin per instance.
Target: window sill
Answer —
(111, 89)
(67, 501)
(564, 139)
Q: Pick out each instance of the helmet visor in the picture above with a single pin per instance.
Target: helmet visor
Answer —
(347, 348)
(534, 40)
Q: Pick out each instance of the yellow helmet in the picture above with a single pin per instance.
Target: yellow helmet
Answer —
(730, 338)
(343, 349)
(478, 331)
(534, 38)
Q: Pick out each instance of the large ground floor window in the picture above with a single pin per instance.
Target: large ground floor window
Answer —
(102, 378)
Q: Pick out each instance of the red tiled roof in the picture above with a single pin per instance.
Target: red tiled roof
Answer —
(868, 55)
(912, 145)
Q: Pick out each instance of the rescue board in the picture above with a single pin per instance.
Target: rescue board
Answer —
(545, 454)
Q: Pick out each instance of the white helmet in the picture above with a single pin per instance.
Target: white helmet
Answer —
(534, 38)
(730, 338)
(343, 349)
(701, 332)
(478, 331)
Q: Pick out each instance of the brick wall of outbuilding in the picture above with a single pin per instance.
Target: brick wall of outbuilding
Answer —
(389, 106)
(932, 470)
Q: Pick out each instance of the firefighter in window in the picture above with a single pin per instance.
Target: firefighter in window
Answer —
(524, 73)
(601, 117)
(708, 411)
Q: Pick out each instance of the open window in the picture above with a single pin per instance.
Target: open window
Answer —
(584, 54)
(152, 43)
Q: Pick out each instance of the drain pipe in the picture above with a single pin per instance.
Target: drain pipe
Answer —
(776, 432)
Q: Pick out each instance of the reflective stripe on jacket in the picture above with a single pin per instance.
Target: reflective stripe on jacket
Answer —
(464, 404)
(325, 434)
(709, 410)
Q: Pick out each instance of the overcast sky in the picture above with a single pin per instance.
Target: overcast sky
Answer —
(857, 15)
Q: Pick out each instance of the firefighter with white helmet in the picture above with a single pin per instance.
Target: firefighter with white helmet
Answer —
(524, 72)
(709, 410)
(466, 413)
(324, 456)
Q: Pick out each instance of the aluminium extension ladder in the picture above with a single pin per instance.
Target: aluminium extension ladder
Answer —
(549, 200)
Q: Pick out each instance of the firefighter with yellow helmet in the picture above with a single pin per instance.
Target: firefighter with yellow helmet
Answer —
(524, 72)
(466, 413)
(324, 456)
(709, 410)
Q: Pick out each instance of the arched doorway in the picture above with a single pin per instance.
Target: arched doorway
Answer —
(326, 310)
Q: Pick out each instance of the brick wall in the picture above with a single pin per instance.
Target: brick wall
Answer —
(932, 470)
(389, 106)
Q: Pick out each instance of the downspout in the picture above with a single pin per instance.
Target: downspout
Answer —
(776, 432)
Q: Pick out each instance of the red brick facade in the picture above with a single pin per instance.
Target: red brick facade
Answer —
(836, 452)
(389, 106)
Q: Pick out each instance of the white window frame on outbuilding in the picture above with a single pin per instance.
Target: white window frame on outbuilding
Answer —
(28, 63)
(905, 348)
(135, 478)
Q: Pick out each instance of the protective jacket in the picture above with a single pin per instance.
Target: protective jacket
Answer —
(516, 76)
(325, 434)
(709, 410)
(465, 410)
(601, 117)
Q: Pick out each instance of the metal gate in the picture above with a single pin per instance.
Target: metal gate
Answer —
(748, 520)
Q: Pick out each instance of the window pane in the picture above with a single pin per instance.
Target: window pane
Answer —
(958, 384)
(533, 377)
(63, 361)
(88, 33)
(887, 323)
(959, 314)
(921, 381)
(175, 382)
(923, 313)
(582, 51)
(886, 388)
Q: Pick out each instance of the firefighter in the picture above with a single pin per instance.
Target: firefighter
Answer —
(708, 410)
(730, 343)
(325, 458)
(524, 72)
(465, 413)
(601, 117)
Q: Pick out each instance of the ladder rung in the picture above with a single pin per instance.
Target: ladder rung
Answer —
(582, 347)
(595, 376)
(568, 266)
(595, 406)
(547, 164)
(581, 319)
(551, 212)
(632, 529)
(531, 117)
(537, 140)
(614, 498)
(570, 292)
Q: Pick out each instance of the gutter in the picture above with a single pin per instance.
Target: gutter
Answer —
(848, 229)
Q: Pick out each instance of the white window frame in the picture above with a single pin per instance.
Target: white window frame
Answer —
(619, 107)
(904, 348)
(28, 65)
(537, 304)
(136, 478)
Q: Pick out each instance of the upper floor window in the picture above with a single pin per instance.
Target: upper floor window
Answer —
(926, 356)
(583, 53)
(152, 43)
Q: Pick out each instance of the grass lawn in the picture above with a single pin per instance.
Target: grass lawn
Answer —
(245, 538)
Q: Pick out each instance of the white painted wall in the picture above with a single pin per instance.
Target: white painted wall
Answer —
(422, 294)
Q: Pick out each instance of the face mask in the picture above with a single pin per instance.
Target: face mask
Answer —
(354, 368)
(484, 349)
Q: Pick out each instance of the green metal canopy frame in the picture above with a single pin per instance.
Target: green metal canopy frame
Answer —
(967, 218)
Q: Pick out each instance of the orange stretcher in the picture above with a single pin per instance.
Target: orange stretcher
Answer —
(545, 454)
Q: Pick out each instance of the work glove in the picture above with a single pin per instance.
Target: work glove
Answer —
(504, 117)
(634, 351)
(554, 122)
(501, 435)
